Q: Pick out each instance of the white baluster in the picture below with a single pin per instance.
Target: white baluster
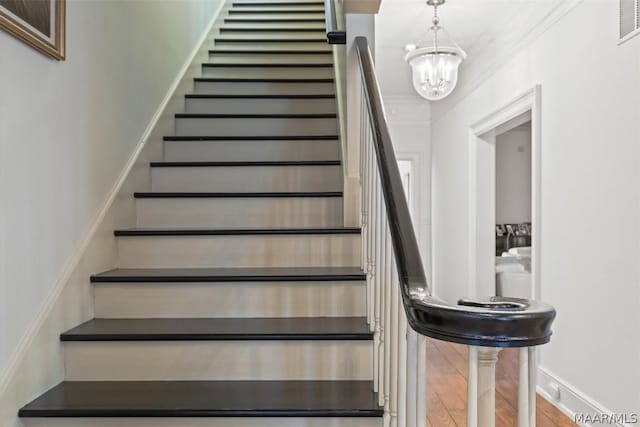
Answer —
(389, 283)
(375, 214)
(412, 395)
(393, 327)
(533, 374)
(523, 388)
(384, 283)
(487, 359)
(472, 388)
(402, 362)
(382, 265)
(421, 410)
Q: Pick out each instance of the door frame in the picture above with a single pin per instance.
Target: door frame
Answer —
(479, 132)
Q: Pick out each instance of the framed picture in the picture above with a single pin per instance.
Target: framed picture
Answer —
(500, 231)
(38, 23)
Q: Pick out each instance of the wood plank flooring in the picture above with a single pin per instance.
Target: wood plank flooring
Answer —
(447, 389)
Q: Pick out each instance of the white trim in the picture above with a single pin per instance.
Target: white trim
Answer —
(629, 36)
(567, 398)
(76, 256)
(528, 101)
(636, 21)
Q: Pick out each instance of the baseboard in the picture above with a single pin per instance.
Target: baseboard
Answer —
(569, 399)
(36, 363)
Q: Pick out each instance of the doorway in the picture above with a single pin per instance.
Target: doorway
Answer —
(504, 194)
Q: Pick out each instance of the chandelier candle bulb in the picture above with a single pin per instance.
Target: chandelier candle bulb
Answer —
(435, 65)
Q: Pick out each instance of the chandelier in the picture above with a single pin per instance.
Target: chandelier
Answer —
(435, 64)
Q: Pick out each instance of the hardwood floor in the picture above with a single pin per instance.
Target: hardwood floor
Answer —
(447, 389)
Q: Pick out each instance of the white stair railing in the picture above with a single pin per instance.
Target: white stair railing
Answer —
(400, 308)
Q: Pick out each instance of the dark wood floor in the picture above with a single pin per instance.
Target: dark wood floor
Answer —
(447, 389)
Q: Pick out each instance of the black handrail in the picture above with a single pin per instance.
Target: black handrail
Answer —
(334, 20)
(490, 321)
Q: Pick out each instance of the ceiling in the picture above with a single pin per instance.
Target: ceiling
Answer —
(479, 27)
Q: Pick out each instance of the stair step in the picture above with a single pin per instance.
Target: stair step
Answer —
(238, 247)
(295, 274)
(243, 328)
(260, 104)
(270, 52)
(229, 292)
(259, 210)
(131, 232)
(271, 20)
(245, 164)
(264, 86)
(267, 70)
(208, 195)
(262, 12)
(261, 124)
(255, 29)
(253, 138)
(266, 65)
(270, 40)
(259, 3)
(207, 399)
(243, 148)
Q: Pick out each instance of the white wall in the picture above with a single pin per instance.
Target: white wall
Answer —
(590, 189)
(67, 130)
(513, 176)
(410, 133)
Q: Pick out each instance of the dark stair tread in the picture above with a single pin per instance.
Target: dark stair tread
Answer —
(271, 51)
(233, 231)
(255, 274)
(271, 20)
(267, 40)
(206, 399)
(254, 116)
(260, 80)
(281, 11)
(274, 30)
(300, 96)
(253, 138)
(219, 329)
(266, 65)
(234, 195)
(275, 3)
(165, 164)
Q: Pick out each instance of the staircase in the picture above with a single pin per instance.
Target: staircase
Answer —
(238, 300)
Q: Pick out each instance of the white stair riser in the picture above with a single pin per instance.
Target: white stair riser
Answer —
(265, 150)
(268, 72)
(275, 58)
(266, 35)
(217, 360)
(231, 299)
(239, 251)
(283, 15)
(246, 178)
(319, 26)
(205, 422)
(260, 106)
(263, 88)
(265, 45)
(255, 126)
(259, 212)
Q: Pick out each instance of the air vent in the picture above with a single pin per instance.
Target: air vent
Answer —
(629, 18)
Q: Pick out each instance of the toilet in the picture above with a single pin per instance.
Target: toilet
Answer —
(513, 273)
